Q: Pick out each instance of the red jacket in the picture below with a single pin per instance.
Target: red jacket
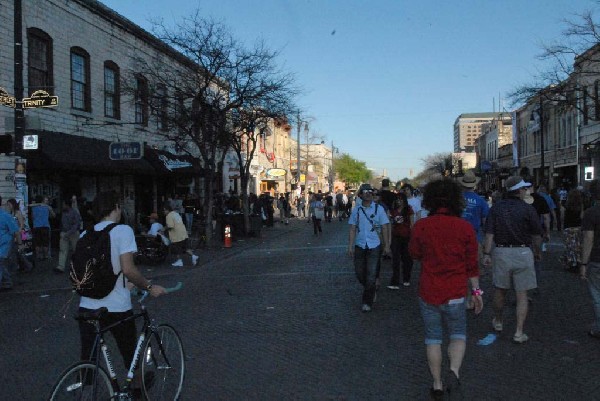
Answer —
(401, 224)
(447, 248)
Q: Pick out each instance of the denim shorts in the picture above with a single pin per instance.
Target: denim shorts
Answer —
(455, 316)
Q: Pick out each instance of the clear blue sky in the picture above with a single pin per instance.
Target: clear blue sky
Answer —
(385, 79)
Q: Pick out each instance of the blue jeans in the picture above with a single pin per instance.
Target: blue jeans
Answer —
(455, 316)
(594, 285)
(189, 221)
(5, 279)
(366, 263)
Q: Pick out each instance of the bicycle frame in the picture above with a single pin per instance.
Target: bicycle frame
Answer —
(148, 329)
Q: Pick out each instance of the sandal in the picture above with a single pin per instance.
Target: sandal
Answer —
(497, 325)
(521, 339)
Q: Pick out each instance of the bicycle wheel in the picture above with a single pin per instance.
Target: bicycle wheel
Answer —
(77, 383)
(163, 365)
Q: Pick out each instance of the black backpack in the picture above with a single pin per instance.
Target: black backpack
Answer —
(92, 273)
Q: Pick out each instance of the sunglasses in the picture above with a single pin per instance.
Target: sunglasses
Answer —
(370, 191)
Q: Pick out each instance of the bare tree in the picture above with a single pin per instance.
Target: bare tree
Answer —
(569, 62)
(217, 93)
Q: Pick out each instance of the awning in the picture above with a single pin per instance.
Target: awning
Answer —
(167, 163)
(60, 151)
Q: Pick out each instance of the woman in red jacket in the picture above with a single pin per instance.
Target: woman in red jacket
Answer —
(446, 245)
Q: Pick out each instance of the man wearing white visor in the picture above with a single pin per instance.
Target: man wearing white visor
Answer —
(515, 228)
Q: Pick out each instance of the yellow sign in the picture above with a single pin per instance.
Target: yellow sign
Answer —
(303, 178)
(40, 99)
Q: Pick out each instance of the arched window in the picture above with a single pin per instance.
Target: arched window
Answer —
(80, 79)
(112, 90)
(39, 61)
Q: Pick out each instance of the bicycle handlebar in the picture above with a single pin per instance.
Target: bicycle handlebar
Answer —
(144, 293)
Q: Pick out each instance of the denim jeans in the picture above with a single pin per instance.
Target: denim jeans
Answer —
(5, 280)
(594, 285)
(365, 266)
(189, 221)
(433, 316)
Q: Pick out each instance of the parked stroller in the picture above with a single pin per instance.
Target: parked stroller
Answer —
(151, 250)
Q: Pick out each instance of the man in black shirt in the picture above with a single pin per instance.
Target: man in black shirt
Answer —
(514, 227)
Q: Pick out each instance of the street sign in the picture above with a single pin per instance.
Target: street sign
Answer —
(126, 150)
(40, 99)
(6, 99)
(30, 142)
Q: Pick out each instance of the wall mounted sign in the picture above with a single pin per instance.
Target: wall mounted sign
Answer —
(276, 172)
(125, 150)
(30, 142)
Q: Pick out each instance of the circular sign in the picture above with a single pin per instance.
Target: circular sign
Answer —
(276, 172)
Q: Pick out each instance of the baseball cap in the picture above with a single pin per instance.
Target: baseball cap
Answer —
(515, 182)
(365, 187)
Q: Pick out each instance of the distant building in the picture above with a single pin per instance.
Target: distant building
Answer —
(468, 127)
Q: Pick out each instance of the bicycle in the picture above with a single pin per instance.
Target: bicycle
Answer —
(159, 348)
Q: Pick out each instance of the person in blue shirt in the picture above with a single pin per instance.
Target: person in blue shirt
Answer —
(544, 193)
(8, 236)
(41, 213)
(369, 227)
(475, 212)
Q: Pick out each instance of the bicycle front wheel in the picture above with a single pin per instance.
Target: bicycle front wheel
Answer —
(83, 381)
(163, 366)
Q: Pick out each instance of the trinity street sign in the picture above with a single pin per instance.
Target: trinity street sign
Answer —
(40, 98)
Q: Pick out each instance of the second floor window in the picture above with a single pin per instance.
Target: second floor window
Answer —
(39, 62)
(141, 101)
(111, 90)
(80, 80)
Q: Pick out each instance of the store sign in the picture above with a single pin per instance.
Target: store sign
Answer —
(126, 150)
(588, 174)
(30, 142)
(276, 172)
(6, 99)
(174, 164)
(40, 99)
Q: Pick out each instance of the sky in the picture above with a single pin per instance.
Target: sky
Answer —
(384, 80)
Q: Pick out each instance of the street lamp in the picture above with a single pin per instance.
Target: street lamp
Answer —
(537, 116)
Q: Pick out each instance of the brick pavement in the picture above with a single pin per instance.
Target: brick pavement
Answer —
(279, 319)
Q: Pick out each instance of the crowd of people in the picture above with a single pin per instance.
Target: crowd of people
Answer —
(462, 233)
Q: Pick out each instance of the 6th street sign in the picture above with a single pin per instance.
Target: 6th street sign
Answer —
(6, 99)
(40, 99)
(126, 150)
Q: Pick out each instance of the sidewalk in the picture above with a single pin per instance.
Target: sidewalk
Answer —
(43, 279)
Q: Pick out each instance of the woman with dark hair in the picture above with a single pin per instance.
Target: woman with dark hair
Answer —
(572, 229)
(400, 217)
(446, 245)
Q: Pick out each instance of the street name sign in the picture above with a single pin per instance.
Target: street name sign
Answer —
(6, 99)
(40, 99)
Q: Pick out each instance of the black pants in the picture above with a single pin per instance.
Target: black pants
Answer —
(125, 335)
(400, 254)
(317, 225)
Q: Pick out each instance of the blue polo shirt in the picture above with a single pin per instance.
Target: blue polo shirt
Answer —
(476, 209)
(366, 233)
(8, 228)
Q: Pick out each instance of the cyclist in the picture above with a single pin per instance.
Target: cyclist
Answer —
(107, 210)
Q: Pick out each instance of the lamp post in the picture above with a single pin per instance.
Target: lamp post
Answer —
(537, 115)
(298, 128)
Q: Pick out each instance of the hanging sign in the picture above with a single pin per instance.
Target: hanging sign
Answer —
(276, 172)
(126, 150)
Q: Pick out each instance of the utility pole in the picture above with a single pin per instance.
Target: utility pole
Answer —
(298, 122)
(18, 77)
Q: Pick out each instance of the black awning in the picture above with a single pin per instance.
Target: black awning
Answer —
(168, 163)
(70, 152)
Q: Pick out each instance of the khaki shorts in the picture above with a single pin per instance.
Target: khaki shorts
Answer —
(514, 268)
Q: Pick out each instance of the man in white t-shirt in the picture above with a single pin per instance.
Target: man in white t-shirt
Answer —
(118, 301)
(413, 201)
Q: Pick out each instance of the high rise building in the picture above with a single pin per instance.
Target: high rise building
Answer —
(467, 128)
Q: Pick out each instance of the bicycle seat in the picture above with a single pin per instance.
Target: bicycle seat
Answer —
(95, 314)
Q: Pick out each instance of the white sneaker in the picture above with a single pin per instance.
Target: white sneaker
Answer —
(195, 260)
(177, 263)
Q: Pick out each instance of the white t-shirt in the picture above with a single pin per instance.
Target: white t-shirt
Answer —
(415, 204)
(122, 240)
(155, 228)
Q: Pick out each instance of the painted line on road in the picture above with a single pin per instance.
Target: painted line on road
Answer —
(298, 248)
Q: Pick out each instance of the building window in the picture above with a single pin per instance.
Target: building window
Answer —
(112, 100)
(162, 108)
(80, 79)
(141, 101)
(39, 61)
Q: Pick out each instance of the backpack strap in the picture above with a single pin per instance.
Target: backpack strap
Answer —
(106, 231)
